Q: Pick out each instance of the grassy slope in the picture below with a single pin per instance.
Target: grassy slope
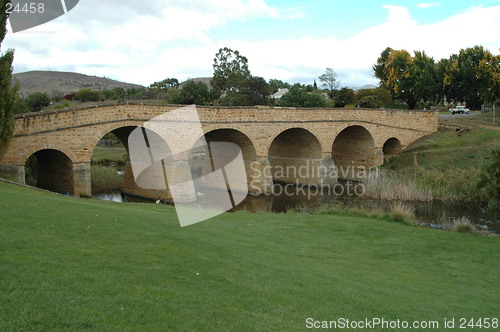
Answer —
(70, 264)
(450, 164)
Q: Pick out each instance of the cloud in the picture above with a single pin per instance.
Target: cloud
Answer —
(177, 42)
(424, 5)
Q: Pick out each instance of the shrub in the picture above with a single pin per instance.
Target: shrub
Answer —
(36, 101)
(401, 213)
(463, 225)
(88, 95)
(370, 102)
(490, 181)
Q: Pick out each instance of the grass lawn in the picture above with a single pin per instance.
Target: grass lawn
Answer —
(71, 264)
(114, 153)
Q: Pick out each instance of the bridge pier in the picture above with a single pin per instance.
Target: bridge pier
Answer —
(260, 177)
(131, 188)
(327, 173)
(81, 180)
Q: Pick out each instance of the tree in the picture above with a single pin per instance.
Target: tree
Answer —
(233, 83)
(251, 91)
(230, 70)
(113, 94)
(382, 97)
(428, 85)
(192, 93)
(343, 97)
(8, 95)
(370, 102)
(472, 76)
(411, 79)
(36, 101)
(163, 86)
(329, 79)
(299, 97)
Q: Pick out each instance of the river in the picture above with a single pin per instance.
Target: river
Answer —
(434, 212)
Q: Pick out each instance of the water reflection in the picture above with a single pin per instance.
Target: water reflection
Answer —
(435, 212)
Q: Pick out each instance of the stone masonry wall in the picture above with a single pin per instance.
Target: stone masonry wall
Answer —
(76, 132)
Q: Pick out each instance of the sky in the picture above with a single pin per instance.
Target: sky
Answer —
(291, 40)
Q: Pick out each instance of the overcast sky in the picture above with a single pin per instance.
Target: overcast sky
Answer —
(143, 42)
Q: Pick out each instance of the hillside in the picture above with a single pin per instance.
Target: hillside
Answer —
(64, 82)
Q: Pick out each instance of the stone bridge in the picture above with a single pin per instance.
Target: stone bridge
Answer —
(275, 142)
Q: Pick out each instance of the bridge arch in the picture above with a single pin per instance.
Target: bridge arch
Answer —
(354, 147)
(121, 130)
(151, 182)
(50, 169)
(295, 157)
(392, 147)
(201, 163)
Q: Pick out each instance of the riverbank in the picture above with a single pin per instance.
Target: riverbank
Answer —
(81, 263)
(447, 165)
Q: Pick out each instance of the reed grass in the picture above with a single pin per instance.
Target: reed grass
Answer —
(401, 213)
(463, 225)
(105, 179)
(395, 188)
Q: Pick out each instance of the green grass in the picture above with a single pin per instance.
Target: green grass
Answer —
(449, 164)
(115, 153)
(73, 264)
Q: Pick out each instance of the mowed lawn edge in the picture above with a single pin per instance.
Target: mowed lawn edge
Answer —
(76, 264)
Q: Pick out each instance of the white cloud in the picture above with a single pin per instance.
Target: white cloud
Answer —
(177, 43)
(428, 4)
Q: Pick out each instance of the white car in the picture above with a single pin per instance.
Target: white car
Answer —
(459, 110)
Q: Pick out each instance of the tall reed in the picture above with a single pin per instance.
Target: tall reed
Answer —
(394, 188)
(105, 179)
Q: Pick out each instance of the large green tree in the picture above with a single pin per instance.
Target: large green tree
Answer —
(472, 76)
(233, 82)
(412, 79)
(8, 94)
(230, 70)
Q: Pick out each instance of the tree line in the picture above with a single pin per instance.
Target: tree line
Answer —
(471, 76)
(406, 81)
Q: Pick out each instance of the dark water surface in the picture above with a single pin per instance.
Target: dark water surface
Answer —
(434, 212)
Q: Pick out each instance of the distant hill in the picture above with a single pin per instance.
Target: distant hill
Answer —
(65, 82)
